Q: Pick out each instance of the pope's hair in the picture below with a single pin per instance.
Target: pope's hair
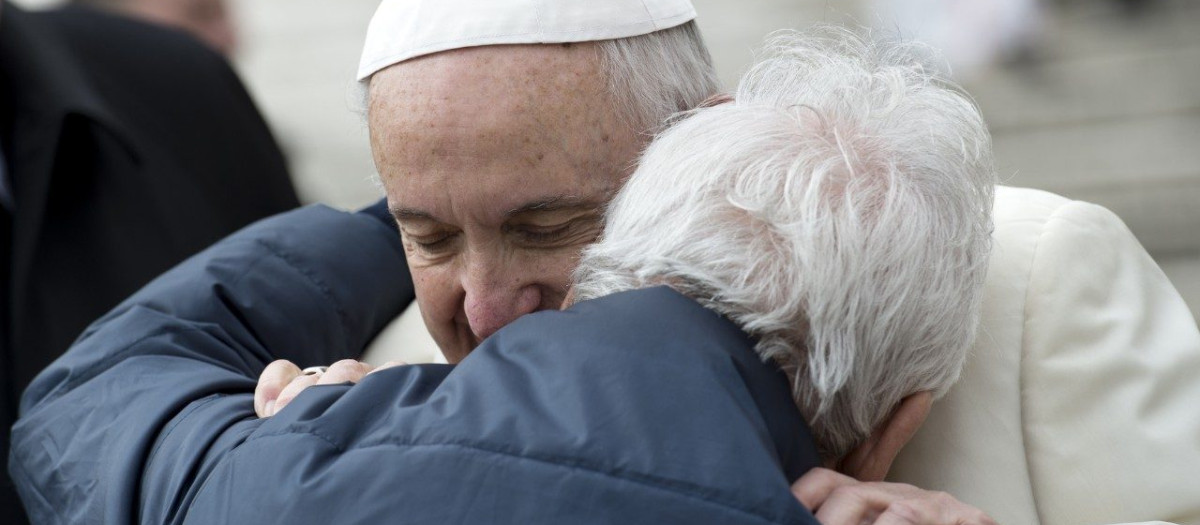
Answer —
(654, 76)
(838, 210)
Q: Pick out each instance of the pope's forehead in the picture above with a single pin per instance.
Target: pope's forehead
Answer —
(548, 102)
(547, 72)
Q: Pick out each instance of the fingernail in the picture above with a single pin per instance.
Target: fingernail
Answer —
(270, 410)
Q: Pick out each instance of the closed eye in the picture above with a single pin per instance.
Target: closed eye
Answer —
(431, 244)
(542, 235)
(579, 230)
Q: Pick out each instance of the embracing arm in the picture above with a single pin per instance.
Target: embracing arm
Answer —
(129, 421)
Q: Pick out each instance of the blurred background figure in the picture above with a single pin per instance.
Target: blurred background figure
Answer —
(124, 149)
(208, 20)
(971, 35)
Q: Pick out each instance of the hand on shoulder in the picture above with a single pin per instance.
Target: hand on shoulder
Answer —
(838, 499)
(281, 381)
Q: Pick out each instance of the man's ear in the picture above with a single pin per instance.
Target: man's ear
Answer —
(872, 459)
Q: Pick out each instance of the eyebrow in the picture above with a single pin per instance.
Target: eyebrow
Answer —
(409, 214)
(553, 203)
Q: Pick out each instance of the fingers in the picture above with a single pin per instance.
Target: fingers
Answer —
(864, 502)
(298, 384)
(346, 370)
(837, 499)
(387, 365)
(932, 508)
(274, 378)
(915, 512)
(282, 381)
(900, 515)
(813, 488)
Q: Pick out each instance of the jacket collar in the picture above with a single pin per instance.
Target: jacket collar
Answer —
(766, 383)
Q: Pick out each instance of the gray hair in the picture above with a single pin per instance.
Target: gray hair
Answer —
(654, 76)
(838, 210)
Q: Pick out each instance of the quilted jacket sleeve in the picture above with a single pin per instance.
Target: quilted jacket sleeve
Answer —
(180, 359)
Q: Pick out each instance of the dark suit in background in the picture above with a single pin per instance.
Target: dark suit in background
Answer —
(128, 148)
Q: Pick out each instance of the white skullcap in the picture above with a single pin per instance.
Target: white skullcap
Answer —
(404, 29)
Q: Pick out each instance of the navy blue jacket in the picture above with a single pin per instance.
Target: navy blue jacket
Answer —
(638, 407)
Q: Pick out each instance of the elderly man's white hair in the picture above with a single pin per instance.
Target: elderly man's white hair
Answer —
(839, 210)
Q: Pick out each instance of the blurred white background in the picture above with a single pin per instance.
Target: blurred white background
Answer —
(1095, 99)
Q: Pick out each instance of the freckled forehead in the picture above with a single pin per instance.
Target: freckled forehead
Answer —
(482, 83)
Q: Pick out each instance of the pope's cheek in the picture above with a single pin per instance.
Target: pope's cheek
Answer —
(438, 297)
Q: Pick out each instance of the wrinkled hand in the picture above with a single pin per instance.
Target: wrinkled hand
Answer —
(837, 499)
(281, 381)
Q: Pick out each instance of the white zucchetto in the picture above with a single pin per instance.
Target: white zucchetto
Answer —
(404, 29)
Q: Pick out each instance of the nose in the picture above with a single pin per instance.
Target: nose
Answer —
(493, 301)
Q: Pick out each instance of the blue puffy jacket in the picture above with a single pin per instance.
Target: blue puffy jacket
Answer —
(641, 407)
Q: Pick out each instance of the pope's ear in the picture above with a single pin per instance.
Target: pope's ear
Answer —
(872, 459)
